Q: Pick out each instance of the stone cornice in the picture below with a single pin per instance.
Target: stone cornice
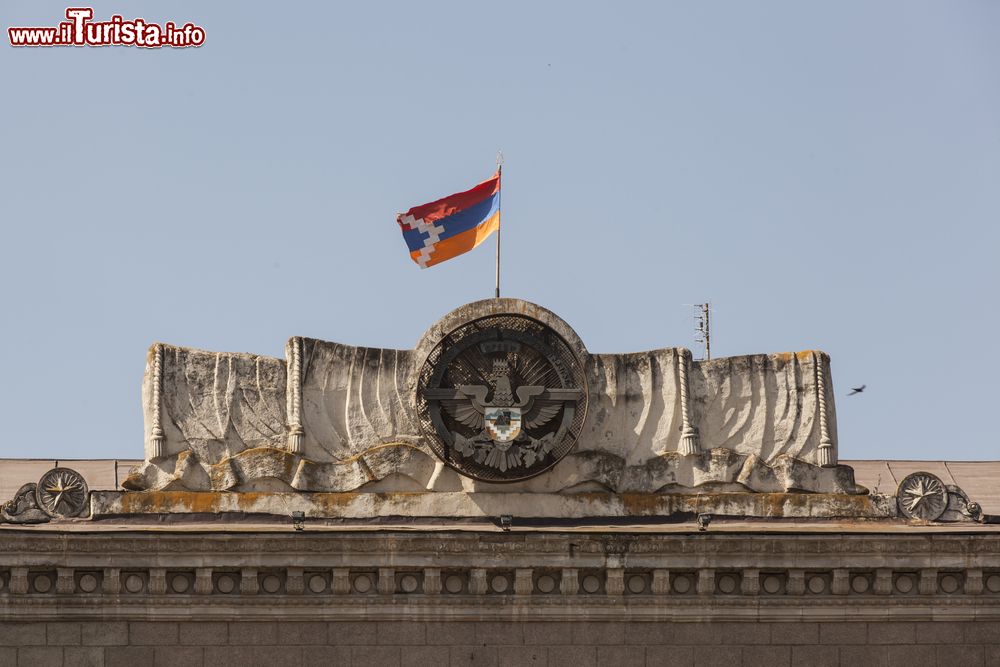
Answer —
(466, 575)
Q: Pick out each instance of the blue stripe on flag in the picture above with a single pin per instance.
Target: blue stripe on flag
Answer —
(456, 223)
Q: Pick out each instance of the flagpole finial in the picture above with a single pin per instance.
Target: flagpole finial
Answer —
(499, 158)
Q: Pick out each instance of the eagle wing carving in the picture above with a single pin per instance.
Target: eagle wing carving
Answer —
(469, 408)
(463, 411)
(541, 412)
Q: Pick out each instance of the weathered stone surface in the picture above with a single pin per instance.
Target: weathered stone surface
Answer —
(218, 404)
(519, 656)
(23, 507)
(670, 656)
(204, 634)
(62, 634)
(565, 610)
(355, 399)
(346, 420)
(361, 505)
(90, 656)
(419, 656)
(104, 633)
(153, 633)
(30, 657)
(517, 641)
(21, 634)
(622, 656)
(815, 656)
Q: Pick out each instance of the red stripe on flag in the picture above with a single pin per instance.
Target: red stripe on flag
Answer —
(452, 204)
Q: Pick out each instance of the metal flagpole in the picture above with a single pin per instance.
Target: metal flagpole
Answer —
(499, 195)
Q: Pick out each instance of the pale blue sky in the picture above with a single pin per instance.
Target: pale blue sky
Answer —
(826, 173)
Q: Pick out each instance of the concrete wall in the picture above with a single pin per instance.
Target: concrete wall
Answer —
(494, 644)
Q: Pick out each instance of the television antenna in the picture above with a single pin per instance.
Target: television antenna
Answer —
(703, 327)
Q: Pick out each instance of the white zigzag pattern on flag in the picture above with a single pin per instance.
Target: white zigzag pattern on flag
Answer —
(433, 236)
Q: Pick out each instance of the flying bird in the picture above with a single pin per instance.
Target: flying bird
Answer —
(856, 390)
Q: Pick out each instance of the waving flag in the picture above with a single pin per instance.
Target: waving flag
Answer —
(453, 225)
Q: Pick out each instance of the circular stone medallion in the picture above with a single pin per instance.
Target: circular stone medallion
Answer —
(499, 584)
(317, 583)
(922, 496)
(179, 583)
(771, 584)
(88, 583)
(408, 583)
(949, 583)
(42, 583)
(816, 585)
(362, 583)
(727, 583)
(134, 583)
(591, 584)
(225, 584)
(61, 492)
(502, 398)
(454, 583)
(270, 583)
(545, 584)
(636, 584)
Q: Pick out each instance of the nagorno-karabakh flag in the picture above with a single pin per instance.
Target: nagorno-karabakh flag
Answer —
(450, 226)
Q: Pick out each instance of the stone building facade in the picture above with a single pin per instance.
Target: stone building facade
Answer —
(663, 595)
(496, 496)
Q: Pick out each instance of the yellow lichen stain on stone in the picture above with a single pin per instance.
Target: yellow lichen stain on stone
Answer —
(246, 501)
(646, 504)
(384, 445)
(333, 501)
(167, 502)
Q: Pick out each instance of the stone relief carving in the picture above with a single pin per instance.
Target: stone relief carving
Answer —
(502, 398)
(23, 507)
(499, 401)
(60, 493)
(498, 397)
(921, 495)
(925, 497)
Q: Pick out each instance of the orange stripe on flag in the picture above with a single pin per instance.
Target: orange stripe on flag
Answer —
(464, 242)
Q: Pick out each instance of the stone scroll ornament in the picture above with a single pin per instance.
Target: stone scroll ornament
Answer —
(502, 398)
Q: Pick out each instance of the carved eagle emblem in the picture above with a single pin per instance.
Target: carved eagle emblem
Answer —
(502, 414)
